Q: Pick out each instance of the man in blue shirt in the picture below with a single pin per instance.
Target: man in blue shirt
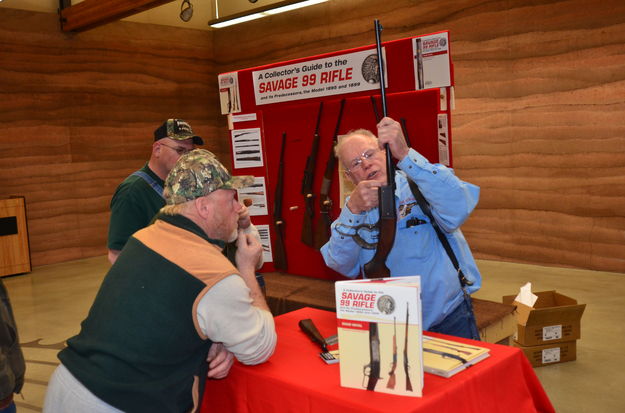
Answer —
(417, 250)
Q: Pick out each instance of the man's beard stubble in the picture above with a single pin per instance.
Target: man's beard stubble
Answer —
(234, 235)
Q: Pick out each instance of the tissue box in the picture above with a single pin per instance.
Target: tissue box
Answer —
(549, 353)
(555, 318)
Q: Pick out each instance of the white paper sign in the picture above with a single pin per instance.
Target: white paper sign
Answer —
(431, 61)
(257, 193)
(347, 73)
(551, 355)
(229, 96)
(247, 148)
(552, 332)
(443, 140)
(265, 240)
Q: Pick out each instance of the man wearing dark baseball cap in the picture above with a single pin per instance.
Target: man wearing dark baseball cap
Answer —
(139, 197)
(173, 309)
(178, 130)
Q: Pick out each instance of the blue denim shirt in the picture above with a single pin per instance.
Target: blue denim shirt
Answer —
(417, 250)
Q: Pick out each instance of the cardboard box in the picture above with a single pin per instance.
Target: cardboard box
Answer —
(549, 353)
(555, 318)
(380, 331)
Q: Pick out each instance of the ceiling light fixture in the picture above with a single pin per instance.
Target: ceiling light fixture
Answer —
(257, 13)
(186, 12)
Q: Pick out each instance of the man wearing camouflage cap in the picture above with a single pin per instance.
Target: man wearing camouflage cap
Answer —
(171, 301)
(139, 197)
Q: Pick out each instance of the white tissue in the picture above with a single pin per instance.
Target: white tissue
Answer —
(526, 296)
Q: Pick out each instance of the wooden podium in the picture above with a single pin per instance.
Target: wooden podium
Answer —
(14, 249)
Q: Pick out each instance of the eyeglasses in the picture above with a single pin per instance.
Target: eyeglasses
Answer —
(357, 162)
(179, 150)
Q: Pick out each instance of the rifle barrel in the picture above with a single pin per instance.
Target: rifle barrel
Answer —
(378, 30)
(386, 194)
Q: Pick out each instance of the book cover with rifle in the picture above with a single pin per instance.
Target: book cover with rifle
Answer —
(379, 331)
(447, 357)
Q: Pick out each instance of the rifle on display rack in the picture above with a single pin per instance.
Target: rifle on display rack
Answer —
(374, 105)
(307, 185)
(322, 232)
(404, 129)
(387, 224)
(279, 253)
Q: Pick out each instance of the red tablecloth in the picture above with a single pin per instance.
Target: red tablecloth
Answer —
(296, 380)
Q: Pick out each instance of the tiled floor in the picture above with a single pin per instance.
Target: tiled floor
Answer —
(51, 301)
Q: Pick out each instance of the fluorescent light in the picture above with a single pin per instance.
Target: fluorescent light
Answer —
(294, 6)
(236, 19)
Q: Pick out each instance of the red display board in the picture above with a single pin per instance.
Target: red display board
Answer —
(293, 110)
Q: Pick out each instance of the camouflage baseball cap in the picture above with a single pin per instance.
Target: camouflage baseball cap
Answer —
(199, 173)
(177, 129)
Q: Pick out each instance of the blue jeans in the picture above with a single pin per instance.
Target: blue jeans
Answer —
(460, 323)
(9, 409)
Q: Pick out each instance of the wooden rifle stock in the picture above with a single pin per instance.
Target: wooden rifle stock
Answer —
(279, 252)
(387, 224)
(322, 229)
(307, 186)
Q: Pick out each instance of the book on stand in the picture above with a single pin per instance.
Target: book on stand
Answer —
(379, 332)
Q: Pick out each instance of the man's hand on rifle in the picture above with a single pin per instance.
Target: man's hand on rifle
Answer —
(364, 197)
(390, 131)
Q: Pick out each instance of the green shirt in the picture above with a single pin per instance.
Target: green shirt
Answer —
(133, 206)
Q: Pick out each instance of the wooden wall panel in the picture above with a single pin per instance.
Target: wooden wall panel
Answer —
(539, 123)
(78, 112)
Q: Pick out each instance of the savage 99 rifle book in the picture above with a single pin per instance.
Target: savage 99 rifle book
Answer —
(380, 334)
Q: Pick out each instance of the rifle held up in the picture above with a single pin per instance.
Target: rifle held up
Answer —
(387, 224)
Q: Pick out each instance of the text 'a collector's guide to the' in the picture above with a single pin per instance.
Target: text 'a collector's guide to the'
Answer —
(380, 334)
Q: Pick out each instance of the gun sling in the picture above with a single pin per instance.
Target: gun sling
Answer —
(425, 207)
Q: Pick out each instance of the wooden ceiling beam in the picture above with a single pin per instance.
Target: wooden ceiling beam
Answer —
(93, 13)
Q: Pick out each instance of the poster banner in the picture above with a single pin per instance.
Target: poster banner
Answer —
(431, 61)
(229, 95)
(341, 74)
